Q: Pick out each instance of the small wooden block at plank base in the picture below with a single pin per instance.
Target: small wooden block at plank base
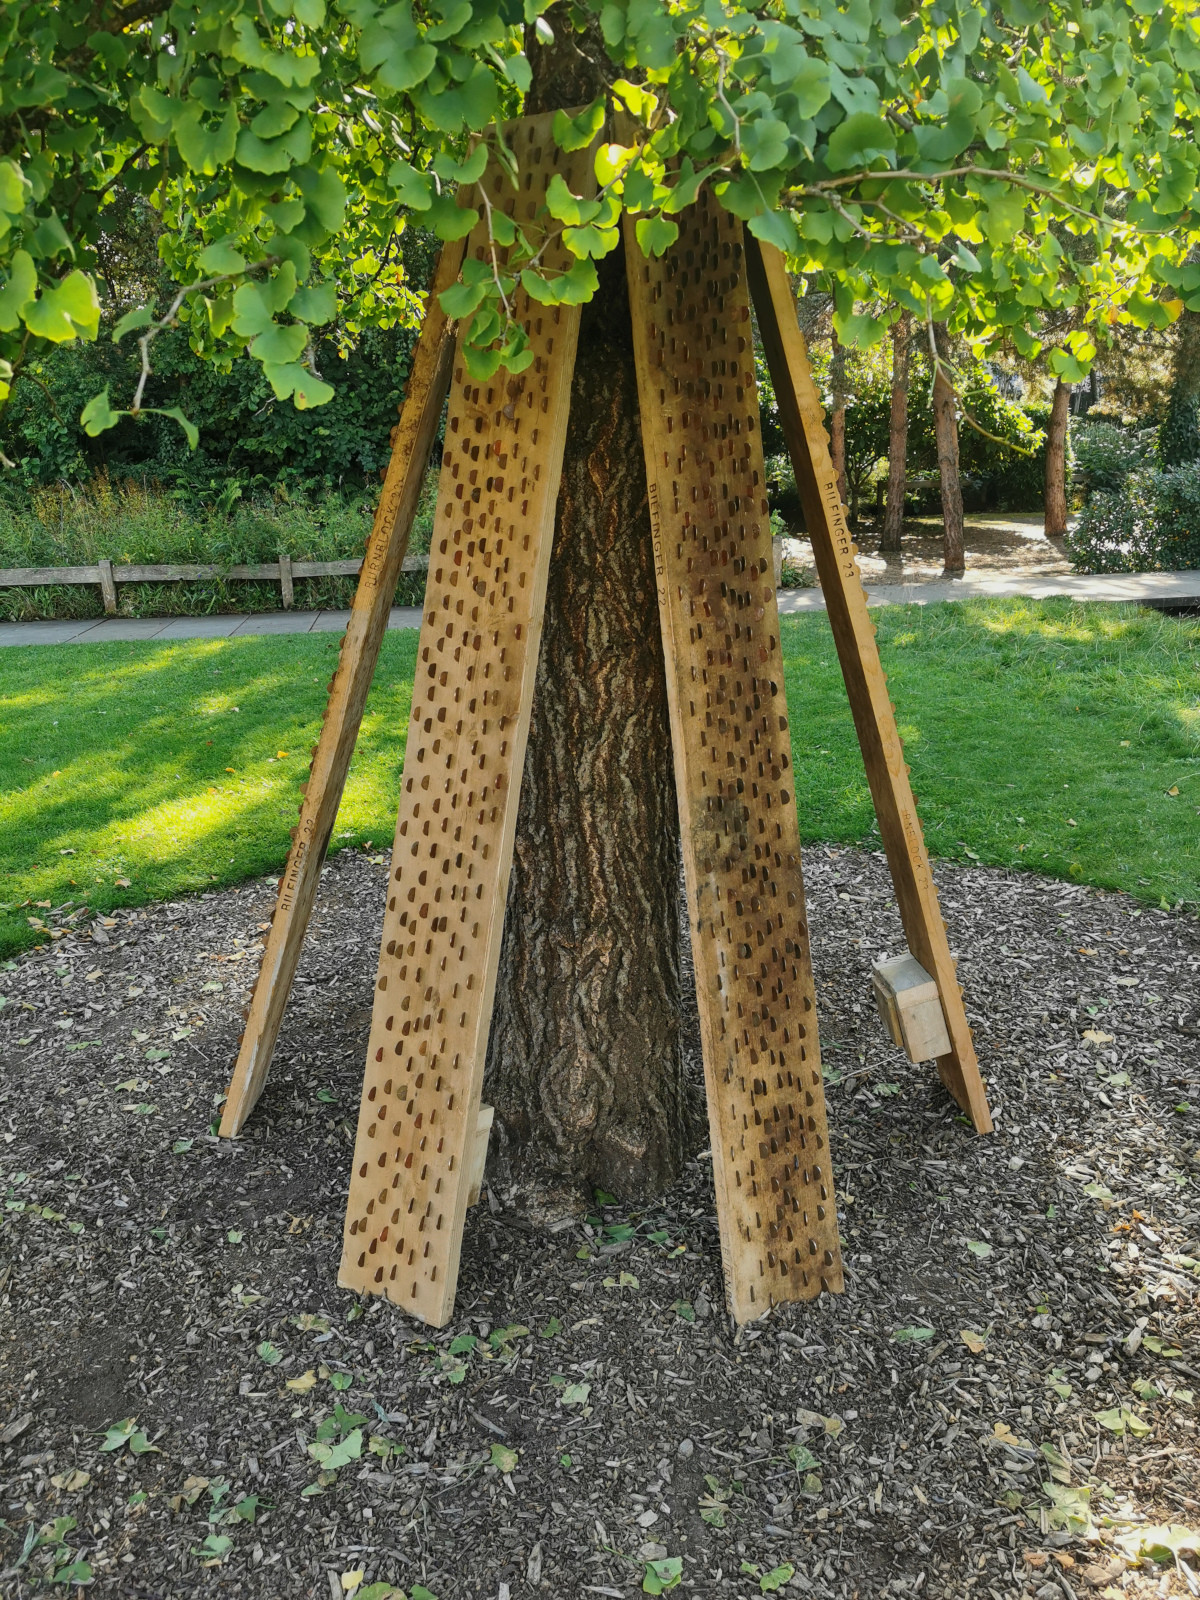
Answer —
(733, 764)
(911, 1008)
(416, 1150)
(801, 418)
(483, 1131)
(427, 385)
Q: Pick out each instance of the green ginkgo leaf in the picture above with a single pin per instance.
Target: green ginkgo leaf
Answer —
(859, 141)
(140, 317)
(656, 234)
(279, 345)
(304, 388)
(255, 305)
(98, 415)
(315, 303)
(324, 194)
(69, 311)
(206, 146)
(17, 294)
(222, 256)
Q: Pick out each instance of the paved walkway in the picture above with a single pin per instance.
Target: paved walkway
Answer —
(1167, 590)
(99, 631)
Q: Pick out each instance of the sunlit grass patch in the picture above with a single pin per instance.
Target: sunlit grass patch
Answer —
(173, 766)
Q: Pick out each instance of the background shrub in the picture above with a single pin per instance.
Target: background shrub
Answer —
(1106, 454)
(1003, 466)
(1152, 522)
(245, 433)
(130, 521)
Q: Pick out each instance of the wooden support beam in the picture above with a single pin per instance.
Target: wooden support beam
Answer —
(729, 729)
(854, 636)
(286, 590)
(107, 587)
(427, 385)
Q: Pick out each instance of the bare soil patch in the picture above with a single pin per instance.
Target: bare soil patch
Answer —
(592, 1408)
(1010, 544)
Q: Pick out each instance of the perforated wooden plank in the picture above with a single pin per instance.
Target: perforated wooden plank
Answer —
(802, 421)
(429, 378)
(741, 843)
(416, 1149)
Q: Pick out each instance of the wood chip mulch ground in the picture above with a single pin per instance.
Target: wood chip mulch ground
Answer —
(1002, 1403)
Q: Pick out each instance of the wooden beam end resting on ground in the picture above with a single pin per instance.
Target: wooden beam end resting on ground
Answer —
(483, 1132)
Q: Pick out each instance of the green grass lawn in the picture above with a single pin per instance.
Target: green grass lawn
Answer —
(1059, 738)
(1041, 734)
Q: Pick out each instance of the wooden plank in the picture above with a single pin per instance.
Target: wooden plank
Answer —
(476, 663)
(478, 1154)
(741, 841)
(36, 577)
(286, 590)
(854, 635)
(911, 1007)
(194, 572)
(428, 381)
(350, 569)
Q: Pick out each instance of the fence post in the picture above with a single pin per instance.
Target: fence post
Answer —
(285, 579)
(108, 587)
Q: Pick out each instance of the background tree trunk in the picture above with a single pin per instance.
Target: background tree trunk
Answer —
(837, 413)
(1179, 438)
(1056, 462)
(893, 517)
(945, 423)
(585, 1060)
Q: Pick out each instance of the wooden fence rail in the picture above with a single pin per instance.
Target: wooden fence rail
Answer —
(283, 572)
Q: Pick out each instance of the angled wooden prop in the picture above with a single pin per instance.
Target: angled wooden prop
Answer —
(428, 381)
(733, 776)
(854, 635)
(421, 1130)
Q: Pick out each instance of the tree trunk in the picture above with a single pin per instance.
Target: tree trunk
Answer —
(1056, 462)
(1179, 437)
(893, 518)
(945, 422)
(837, 414)
(585, 1062)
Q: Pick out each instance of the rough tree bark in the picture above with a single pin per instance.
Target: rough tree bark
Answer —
(893, 517)
(945, 423)
(1056, 462)
(1179, 437)
(837, 413)
(585, 1065)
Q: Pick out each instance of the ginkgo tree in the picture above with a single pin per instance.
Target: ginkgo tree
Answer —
(936, 158)
(991, 168)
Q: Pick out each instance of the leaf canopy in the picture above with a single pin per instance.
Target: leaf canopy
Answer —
(996, 165)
